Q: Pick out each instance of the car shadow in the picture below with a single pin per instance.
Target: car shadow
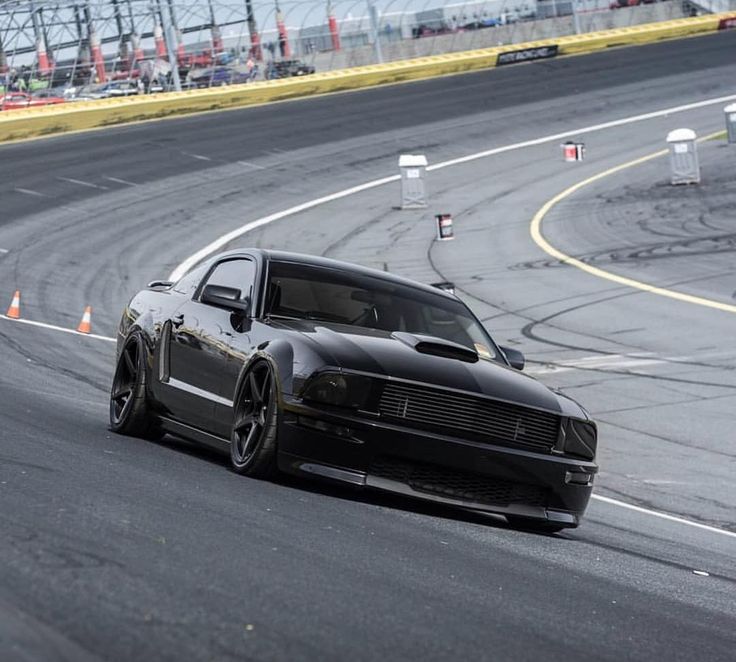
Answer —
(374, 497)
(193, 449)
(414, 505)
(336, 490)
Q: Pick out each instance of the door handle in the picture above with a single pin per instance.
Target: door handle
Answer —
(177, 320)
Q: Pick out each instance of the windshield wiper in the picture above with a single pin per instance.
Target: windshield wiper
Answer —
(308, 317)
(316, 317)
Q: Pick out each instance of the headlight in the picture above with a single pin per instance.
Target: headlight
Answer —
(581, 438)
(338, 389)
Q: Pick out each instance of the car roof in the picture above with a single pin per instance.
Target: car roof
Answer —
(319, 261)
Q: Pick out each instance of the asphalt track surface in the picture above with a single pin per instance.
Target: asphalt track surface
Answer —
(116, 548)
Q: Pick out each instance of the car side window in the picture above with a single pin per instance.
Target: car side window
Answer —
(239, 273)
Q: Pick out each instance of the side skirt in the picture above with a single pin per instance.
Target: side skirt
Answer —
(195, 434)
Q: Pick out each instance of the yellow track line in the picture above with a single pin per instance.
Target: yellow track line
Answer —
(538, 238)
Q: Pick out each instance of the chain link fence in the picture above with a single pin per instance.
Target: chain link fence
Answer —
(60, 51)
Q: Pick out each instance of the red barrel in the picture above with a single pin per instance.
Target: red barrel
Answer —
(444, 227)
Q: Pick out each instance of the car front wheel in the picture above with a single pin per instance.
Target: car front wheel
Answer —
(255, 427)
(129, 412)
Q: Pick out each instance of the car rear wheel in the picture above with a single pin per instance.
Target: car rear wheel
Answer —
(253, 438)
(129, 412)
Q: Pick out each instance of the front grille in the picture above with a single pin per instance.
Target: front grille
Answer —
(468, 417)
(465, 486)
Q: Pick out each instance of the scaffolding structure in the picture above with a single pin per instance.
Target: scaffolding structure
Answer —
(47, 43)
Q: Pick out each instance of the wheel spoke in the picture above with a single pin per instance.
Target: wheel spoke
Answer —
(251, 415)
(129, 362)
(266, 388)
(122, 392)
(254, 390)
(252, 434)
(263, 415)
(244, 421)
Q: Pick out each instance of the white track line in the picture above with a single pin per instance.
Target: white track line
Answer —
(53, 327)
(79, 182)
(199, 157)
(671, 518)
(117, 180)
(248, 164)
(27, 191)
(616, 361)
(216, 245)
(4, 250)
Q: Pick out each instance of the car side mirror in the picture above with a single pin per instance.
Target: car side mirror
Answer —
(514, 357)
(225, 297)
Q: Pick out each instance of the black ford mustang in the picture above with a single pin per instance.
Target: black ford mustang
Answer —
(314, 366)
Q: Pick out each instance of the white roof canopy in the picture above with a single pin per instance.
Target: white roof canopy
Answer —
(412, 161)
(681, 135)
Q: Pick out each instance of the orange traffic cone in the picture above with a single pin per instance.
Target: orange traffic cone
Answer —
(14, 310)
(85, 326)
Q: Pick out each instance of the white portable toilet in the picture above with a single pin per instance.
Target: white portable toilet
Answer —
(731, 122)
(413, 168)
(683, 156)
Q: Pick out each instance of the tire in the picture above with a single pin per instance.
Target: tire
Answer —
(253, 440)
(129, 411)
(534, 525)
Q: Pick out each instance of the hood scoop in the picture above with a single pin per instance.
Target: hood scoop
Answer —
(436, 346)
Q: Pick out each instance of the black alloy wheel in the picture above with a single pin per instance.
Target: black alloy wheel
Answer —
(253, 439)
(129, 413)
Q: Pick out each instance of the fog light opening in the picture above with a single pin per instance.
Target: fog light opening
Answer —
(328, 428)
(561, 517)
(578, 478)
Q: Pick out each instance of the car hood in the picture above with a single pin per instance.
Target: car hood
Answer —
(382, 353)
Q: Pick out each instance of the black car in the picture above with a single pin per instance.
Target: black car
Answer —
(288, 69)
(312, 366)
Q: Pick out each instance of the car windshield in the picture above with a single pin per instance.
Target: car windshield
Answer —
(299, 291)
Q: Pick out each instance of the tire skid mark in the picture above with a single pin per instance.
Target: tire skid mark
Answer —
(535, 230)
(668, 440)
(529, 331)
(36, 361)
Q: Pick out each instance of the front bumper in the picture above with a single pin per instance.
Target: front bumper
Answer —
(373, 453)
